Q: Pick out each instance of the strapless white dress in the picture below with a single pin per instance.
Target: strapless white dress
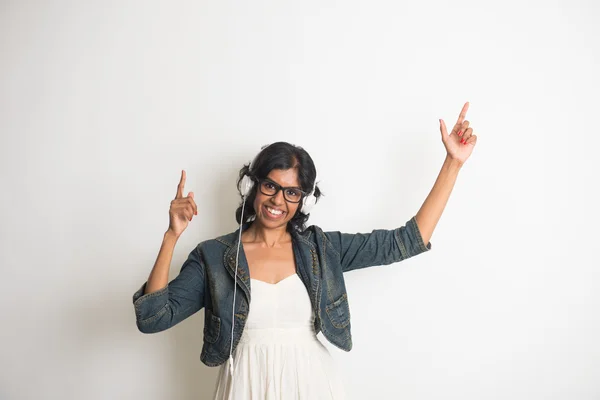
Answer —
(279, 356)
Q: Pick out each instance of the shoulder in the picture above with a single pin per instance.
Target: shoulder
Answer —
(315, 237)
(312, 233)
(217, 244)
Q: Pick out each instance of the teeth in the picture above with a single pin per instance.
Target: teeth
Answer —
(274, 212)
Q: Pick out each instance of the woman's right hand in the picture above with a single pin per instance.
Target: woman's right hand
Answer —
(182, 209)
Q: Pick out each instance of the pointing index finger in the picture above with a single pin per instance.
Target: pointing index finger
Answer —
(463, 114)
(181, 185)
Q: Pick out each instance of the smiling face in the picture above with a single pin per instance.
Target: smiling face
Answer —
(274, 211)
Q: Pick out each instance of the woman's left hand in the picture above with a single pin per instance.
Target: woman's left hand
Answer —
(461, 141)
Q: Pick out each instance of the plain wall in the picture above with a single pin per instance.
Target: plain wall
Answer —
(102, 104)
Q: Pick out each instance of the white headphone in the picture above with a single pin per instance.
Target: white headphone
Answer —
(246, 185)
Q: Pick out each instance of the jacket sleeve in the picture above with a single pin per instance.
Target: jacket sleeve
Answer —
(182, 297)
(380, 247)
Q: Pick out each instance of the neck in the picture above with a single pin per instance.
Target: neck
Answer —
(266, 237)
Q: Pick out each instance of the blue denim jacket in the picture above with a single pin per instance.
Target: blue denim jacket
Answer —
(206, 280)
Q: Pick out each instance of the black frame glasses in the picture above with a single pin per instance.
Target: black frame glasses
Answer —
(278, 187)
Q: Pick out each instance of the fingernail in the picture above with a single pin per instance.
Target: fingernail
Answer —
(459, 133)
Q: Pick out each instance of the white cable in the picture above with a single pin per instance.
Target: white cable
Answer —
(234, 292)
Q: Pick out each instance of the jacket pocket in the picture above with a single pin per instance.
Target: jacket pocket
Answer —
(212, 326)
(339, 312)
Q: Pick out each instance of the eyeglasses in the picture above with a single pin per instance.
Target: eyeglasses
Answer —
(291, 194)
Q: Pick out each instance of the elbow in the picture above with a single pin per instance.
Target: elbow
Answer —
(156, 323)
(148, 328)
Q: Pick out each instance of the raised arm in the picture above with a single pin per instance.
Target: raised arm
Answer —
(160, 305)
(459, 146)
(382, 247)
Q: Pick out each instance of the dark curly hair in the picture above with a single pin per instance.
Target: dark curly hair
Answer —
(279, 155)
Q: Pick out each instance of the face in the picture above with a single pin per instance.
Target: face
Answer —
(275, 211)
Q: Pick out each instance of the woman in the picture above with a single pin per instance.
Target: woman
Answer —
(289, 277)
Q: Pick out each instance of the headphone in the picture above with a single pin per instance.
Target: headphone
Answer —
(246, 185)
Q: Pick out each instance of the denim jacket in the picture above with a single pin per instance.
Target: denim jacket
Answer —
(206, 281)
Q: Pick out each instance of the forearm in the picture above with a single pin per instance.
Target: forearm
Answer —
(430, 212)
(159, 276)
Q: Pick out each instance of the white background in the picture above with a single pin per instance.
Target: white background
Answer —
(102, 104)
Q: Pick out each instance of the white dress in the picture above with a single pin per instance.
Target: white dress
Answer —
(279, 355)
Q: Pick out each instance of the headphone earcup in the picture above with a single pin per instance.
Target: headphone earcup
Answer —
(246, 185)
(308, 203)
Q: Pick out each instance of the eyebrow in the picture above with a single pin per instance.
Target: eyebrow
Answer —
(287, 187)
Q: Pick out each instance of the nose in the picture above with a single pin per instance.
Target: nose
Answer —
(278, 199)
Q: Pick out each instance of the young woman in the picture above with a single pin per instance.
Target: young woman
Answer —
(271, 286)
